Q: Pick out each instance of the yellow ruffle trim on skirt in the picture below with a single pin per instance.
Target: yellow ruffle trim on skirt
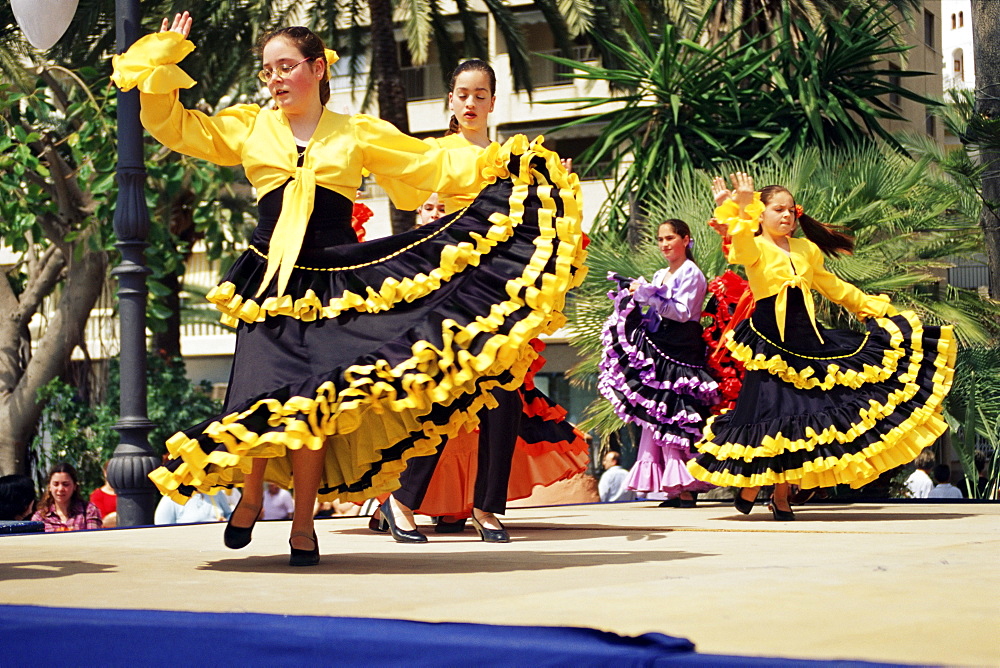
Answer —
(898, 446)
(369, 415)
(804, 379)
(555, 238)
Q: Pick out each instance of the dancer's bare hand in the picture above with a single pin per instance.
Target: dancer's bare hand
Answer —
(721, 228)
(182, 24)
(742, 188)
(720, 193)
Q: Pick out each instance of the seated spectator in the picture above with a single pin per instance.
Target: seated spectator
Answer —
(983, 471)
(106, 500)
(613, 483)
(62, 508)
(944, 489)
(919, 484)
(17, 497)
(278, 503)
(199, 508)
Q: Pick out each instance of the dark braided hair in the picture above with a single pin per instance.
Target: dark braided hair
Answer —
(829, 239)
(471, 65)
(311, 47)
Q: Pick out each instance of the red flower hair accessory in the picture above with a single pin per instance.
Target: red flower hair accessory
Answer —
(798, 211)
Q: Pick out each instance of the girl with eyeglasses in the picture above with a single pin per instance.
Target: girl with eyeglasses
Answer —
(351, 357)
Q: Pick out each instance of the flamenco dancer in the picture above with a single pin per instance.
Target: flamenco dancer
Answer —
(512, 427)
(818, 407)
(653, 367)
(353, 357)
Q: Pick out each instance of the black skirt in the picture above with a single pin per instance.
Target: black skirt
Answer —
(379, 349)
(838, 410)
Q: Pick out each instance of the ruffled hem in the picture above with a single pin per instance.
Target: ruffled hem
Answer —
(876, 358)
(374, 415)
(853, 444)
(646, 386)
(660, 467)
(546, 452)
(329, 287)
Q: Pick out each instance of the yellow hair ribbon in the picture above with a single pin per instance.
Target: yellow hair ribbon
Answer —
(331, 57)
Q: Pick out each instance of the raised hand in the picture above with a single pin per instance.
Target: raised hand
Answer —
(720, 193)
(742, 188)
(182, 24)
(721, 228)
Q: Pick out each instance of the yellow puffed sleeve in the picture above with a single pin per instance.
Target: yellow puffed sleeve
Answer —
(150, 65)
(843, 293)
(420, 167)
(742, 230)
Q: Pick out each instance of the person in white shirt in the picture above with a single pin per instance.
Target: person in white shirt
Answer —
(919, 484)
(199, 508)
(944, 489)
(613, 485)
(278, 503)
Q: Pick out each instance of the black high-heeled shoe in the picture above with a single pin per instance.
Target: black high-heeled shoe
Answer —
(239, 537)
(399, 535)
(446, 526)
(491, 535)
(303, 557)
(377, 524)
(742, 504)
(779, 514)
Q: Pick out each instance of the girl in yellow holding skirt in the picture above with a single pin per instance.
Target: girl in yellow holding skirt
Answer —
(353, 357)
(818, 407)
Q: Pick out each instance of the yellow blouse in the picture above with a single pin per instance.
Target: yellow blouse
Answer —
(408, 198)
(771, 271)
(262, 141)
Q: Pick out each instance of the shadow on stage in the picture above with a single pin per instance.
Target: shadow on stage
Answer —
(45, 570)
(454, 562)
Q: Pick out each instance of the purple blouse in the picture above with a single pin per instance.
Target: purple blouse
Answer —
(678, 296)
(82, 516)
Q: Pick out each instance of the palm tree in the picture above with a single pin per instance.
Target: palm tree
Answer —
(906, 218)
(985, 130)
(685, 103)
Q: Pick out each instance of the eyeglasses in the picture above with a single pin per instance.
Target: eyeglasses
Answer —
(266, 75)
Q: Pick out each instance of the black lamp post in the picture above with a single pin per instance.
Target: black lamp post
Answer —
(128, 471)
(133, 460)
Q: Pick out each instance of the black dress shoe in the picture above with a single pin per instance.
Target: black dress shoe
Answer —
(399, 535)
(779, 514)
(491, 535)
(742, 504)
(678, 502)
(444, 526)
(377, 524)
(304, 557)
(238, 537)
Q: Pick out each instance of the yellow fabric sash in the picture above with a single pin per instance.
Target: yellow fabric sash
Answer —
(781, 304)
(286, 241)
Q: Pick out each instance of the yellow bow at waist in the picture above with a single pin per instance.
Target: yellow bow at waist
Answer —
(286, 241)
(781, 304)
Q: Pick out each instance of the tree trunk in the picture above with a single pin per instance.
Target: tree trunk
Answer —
(19, 408)
(985, 37)
(391, 93)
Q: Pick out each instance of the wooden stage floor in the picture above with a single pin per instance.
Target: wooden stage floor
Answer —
(909, 583)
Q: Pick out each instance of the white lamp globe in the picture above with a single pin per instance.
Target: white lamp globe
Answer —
(43, 22)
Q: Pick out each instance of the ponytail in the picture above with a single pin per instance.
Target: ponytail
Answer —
(830, 239)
